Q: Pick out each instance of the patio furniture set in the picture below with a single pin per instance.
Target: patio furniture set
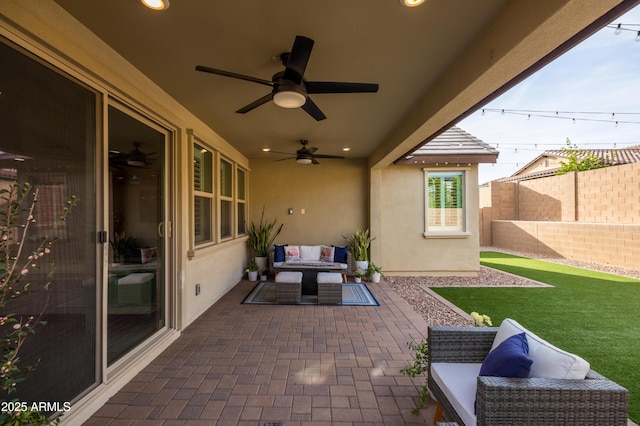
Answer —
(510, 376)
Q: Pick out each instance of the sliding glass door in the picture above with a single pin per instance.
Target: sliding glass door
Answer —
(137, 232)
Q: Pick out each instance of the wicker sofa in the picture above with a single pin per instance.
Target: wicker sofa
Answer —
(594, 400)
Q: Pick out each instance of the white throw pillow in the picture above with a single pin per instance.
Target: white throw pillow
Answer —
(310, 253)
(326, 253)
(548, 360)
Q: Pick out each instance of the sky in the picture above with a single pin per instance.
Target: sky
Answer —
(600, 75)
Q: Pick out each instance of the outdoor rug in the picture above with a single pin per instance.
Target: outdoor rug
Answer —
(353, 294)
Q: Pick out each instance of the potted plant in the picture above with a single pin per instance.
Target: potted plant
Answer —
(261, 237)
(359, 246)
(374, 272)
(358, 277)
(252, 271)
(263, 275)
(121, 244)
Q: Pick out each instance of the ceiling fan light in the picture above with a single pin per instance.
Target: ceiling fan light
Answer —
(289, 99)
(412, 3)
(156, 4)
(136, 163)
(303, 160)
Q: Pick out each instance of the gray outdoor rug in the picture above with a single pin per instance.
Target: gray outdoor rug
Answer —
(353, 294)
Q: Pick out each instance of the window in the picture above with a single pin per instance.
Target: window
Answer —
(241, 201)
(226, 199)
(203, 194)
(445, 203)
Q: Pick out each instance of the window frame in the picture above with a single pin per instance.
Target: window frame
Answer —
(211, 196)
(447, 233)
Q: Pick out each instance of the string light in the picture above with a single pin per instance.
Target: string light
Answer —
(574, 116)
(619, 28)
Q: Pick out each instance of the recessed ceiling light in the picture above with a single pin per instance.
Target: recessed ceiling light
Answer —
(266, 149)
(412, 3)
(346, 148)
(156, 4)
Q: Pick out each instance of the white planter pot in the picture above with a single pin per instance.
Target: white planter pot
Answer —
(262, 263)
(362, 266)
(263, 277)
(375, 277)
(358, 279)
(253, 275)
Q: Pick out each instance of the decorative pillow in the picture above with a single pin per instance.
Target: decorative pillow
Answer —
(310, 253)
(509, 359)
(326, 253)
(278, 252)
(340, 254)
(548, 361)
(148, 254)
(292, 253)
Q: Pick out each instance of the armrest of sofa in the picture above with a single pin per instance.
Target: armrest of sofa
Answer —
(541, 401)
(459, 344)
(272, 254)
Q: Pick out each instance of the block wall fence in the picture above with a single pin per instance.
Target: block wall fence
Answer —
(592, 216)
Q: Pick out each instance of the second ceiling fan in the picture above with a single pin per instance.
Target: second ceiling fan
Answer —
(289, 88)
(306, 155)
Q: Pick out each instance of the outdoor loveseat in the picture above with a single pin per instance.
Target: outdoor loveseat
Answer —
(456, 355)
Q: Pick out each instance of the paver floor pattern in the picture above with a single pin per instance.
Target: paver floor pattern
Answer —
(301, 365)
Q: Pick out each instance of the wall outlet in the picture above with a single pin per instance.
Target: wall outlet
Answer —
(197, 289)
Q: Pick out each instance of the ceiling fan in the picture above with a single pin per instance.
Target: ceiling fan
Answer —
(289, 88)
(306, 155)
(135, 158)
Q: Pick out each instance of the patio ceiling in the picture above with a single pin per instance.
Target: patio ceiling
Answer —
(434, 63)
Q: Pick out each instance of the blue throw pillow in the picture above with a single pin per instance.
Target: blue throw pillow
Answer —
(509, 359)
(278, 254)
(340, 254)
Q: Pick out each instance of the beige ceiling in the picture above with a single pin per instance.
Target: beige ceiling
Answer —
(433, 63)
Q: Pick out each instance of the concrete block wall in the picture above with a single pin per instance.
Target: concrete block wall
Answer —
(609, 195)
(605, 244)
(591, 216)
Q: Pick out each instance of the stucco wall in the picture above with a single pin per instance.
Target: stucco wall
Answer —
(333, 194)
(404, 249)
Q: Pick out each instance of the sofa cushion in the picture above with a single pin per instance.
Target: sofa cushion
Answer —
(326, 253)
(310, 253)
(548, 360)
(458, 382)
(340, 254)
(508, 359)
(278, 253)
(292, 253)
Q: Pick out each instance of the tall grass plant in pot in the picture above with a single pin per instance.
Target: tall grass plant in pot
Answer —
(359, 246)
(261, 237)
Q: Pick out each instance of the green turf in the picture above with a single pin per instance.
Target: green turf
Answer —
(592, 314)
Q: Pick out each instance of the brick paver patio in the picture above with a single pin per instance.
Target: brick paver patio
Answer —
(300, 365)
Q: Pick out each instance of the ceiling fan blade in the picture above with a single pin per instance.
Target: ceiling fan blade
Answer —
(312, 149)
(314, 161)
(255, 104)
(280, 152)
(234, 75)
(338, 87)
(288, 158)
(298, 59)
(312, 109)
(328, 156)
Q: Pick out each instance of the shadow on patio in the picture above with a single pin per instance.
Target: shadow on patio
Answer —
(251, 364)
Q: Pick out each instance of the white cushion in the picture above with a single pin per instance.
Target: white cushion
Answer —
(310, 253)
(459, 382)
(289, 277)
(548, 360)
(329, 278)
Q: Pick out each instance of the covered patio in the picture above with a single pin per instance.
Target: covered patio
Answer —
(251, 364)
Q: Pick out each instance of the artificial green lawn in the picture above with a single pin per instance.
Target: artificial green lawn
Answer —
(592, 314)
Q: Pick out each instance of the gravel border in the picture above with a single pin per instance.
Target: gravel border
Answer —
(438, 311)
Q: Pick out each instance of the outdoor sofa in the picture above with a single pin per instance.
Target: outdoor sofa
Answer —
(560, 389)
